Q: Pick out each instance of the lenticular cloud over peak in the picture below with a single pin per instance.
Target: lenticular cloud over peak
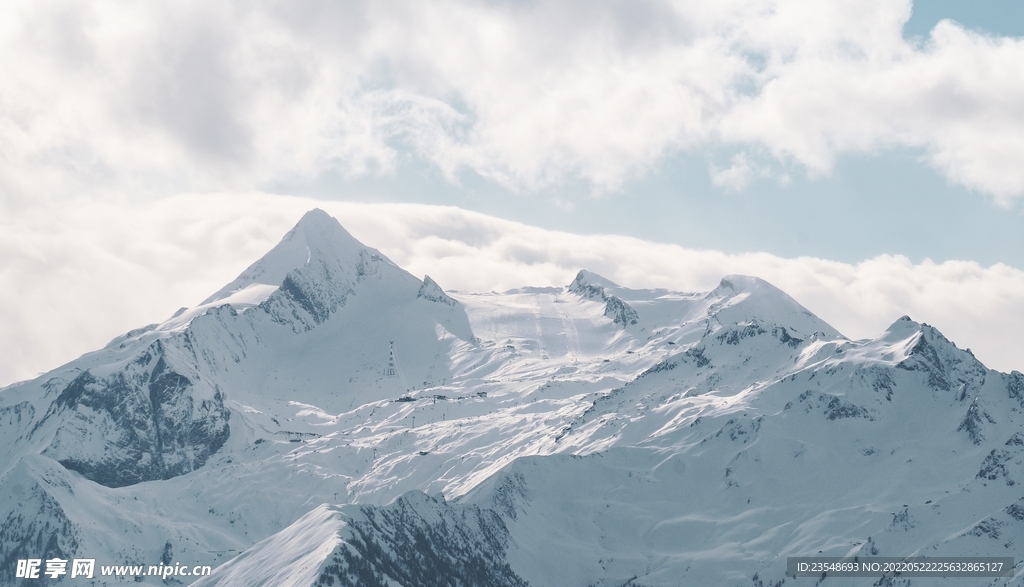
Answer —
(186, 247)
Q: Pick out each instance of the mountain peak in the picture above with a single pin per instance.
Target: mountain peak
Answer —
(904, 330)
(744, 284)
(316, 236)
(590, 284)
(317, 216)
(903, 325)
(593, 286)
(317, 225)
(742, 298)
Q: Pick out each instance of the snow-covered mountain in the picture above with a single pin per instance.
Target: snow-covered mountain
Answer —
(329, 419)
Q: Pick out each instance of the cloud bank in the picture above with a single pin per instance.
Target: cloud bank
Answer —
(81, 272)
(191, 96)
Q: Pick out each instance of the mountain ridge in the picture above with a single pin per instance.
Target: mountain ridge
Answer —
(647, 435)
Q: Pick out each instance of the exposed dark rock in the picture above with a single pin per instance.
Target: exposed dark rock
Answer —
(142, 423)
(838, 409)
(17, 415)
(697, 354)
(783, 335)
(619, 311)
(432, 292)
(972, 424)
(1016, 510)
(987, 527)
(310, 294)
(36, 527)
(994, 465)
(508, 493)
(735, 334)
(666, 365)
(883, 381)
(834, 407)
(1015, 386)
(947, 367)
(421, 542)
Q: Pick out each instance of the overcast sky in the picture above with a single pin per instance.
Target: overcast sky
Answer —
(866, 156)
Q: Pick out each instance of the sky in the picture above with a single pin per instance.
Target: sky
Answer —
(865, 156)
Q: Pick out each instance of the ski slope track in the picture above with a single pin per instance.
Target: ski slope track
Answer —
(329, 419)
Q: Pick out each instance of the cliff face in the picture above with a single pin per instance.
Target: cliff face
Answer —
(144, 422)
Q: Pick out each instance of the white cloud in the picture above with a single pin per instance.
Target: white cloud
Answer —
(195, 96)
(77, 274)
(109, 109)
(738, 175)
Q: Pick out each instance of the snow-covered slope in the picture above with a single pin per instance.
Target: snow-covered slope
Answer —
(899, 446)
(585, 435)
(417, 541)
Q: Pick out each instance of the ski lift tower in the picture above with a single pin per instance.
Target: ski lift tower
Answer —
(390, 372)
(394, 369)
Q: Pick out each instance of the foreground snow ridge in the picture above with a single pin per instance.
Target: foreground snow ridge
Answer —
(588, 435)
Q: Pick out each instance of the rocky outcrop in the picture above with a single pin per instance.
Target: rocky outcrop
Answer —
(420, 542)
(619, 311)
(432, 292)
(146, 421)
(417, 541)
